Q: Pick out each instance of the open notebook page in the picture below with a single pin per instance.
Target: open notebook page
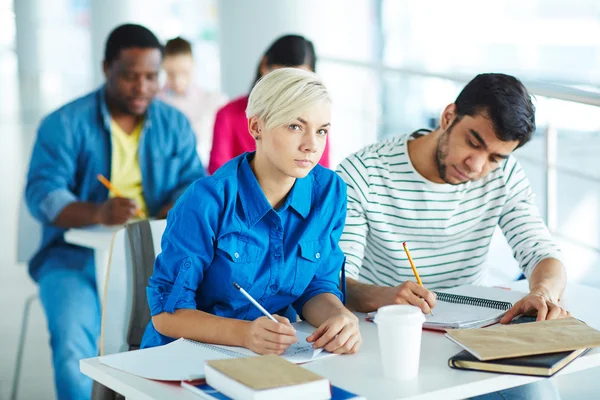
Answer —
(298, 353)
(184, 359)
(486, 292)
(449, 315)
(177, 361)
(452, 315)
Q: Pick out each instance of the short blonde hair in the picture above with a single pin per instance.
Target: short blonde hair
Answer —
(281, 96)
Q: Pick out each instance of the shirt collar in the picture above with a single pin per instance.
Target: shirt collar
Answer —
(254, 201)
(104, 113)
(300, 196)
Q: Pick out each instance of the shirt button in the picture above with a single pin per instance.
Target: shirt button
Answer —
(277, 256)
(318, 255)
(274, 288)
(236, 255)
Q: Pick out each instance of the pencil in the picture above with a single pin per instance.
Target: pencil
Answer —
(116, 192)
(254, 302)
(412, 265)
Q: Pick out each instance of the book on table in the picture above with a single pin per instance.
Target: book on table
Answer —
(205, 391)
(537, 365)
(542, 337)
(267, 377)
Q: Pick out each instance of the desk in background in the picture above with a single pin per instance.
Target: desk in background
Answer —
(361, 373)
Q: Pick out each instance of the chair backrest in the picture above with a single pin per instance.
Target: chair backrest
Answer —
(125, 311)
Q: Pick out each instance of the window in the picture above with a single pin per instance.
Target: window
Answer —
(419, 56)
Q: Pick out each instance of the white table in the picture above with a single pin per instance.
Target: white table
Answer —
(362, 373)
(97, 238)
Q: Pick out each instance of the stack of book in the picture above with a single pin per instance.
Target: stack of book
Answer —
(263, 378)
(538, 348)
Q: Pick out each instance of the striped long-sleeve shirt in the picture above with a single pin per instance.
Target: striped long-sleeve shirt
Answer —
(448, 227)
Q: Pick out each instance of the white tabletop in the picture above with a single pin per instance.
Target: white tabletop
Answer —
(97, 237)
(362, 373)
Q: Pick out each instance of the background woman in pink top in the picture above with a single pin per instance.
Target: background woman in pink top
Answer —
(230, 135)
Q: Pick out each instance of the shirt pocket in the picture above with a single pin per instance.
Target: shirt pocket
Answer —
(239, 261)
(311, 256)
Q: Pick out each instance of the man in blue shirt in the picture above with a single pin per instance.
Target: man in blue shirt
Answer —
(74, 145)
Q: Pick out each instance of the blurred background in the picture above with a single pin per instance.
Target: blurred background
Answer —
(391, 65)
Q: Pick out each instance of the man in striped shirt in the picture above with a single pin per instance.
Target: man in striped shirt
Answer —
(444, 192)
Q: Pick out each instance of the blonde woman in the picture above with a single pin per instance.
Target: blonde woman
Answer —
(268, 220)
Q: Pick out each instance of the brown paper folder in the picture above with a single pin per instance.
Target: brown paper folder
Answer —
(504, 341)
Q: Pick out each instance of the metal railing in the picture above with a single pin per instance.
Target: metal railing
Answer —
(536, 88)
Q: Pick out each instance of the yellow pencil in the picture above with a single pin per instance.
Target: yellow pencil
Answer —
(412, 265)
(116, 192)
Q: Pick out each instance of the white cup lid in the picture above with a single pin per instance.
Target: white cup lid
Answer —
(399, 313)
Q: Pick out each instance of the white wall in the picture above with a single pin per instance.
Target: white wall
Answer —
(247, 28)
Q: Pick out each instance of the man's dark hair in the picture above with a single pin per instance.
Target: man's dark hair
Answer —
(178, 46)
(504, 100)
(129, 36)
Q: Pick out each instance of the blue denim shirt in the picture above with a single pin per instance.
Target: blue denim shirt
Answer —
(73, 146)
(223, 230)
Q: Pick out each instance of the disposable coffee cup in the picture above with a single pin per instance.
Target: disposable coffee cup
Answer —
(399, 328)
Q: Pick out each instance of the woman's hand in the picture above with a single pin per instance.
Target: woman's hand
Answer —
(267, 337)
(338, 334)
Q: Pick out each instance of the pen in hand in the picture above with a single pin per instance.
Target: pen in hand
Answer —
(412, 265)
(114, 190)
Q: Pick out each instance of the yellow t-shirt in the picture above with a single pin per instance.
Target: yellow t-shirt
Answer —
(126, 175)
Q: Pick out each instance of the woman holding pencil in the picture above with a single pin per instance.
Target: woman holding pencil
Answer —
(268, 221)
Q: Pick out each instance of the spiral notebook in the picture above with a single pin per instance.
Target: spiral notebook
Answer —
(184, 359)
(470, 306)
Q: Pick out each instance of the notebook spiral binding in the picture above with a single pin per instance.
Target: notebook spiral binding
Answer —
(473, 301)
(230, 353)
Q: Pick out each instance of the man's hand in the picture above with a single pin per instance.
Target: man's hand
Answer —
(338, 334)
(162, 214)
(267, 337)
(116, 211)
(536, 302)
(409, 293)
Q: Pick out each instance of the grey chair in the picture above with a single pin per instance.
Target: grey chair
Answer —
(125, 312)
(21, 346)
